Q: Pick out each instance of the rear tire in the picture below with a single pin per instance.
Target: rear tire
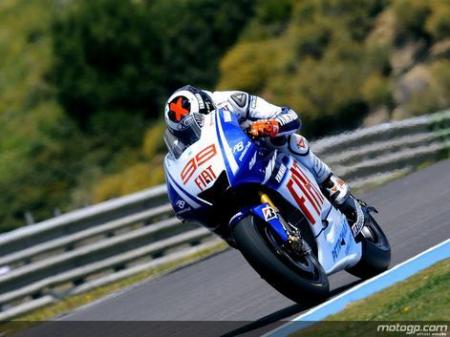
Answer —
(252, 238)
(376, 251)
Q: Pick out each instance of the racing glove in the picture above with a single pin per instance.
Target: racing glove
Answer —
(264, 127)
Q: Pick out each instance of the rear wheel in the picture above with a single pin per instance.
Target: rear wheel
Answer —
(299, 277)
(376, 251)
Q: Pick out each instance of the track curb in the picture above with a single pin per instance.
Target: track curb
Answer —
(398, 273)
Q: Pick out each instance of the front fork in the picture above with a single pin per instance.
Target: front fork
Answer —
(294, 239)
(288, 235)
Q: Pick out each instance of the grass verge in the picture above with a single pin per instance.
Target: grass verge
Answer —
(72, 302)
(422, 297)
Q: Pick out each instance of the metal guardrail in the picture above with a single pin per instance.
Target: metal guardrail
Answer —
(83, 249)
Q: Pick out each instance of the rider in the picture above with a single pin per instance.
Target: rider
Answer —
(261, 119)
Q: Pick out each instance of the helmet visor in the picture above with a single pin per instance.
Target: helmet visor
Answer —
(188, 133)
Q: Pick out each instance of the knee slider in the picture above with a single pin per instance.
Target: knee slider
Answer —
(298, 145)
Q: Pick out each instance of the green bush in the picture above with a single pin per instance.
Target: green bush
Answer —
(134, 178)
(440, 71)
(245, 67)
(330, 88)
(318, 65)
(356, 16)
(116, 62)
(195, 33)
(273, 11)
(436, 94)
(411, 16)
(106, 58)
(154, 140)
(376, 91)
(128, 55)
(312, 40)
(438, 23)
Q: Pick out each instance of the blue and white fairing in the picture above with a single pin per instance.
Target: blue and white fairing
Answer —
(224, 148)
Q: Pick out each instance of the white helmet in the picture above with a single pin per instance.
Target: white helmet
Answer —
(184, 112)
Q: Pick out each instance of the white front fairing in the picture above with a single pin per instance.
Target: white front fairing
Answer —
(198, 167)
(337, 248)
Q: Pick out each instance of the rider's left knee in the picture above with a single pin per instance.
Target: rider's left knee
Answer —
(298, 145)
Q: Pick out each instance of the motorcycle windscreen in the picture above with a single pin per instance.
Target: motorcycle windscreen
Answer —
(177, 141)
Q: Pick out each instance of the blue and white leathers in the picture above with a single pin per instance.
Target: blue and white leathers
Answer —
(224, 148)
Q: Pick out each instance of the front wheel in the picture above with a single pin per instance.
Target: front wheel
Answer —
(376, 251)
(302, 279)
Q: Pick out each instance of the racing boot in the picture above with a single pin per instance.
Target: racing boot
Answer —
(338, 193)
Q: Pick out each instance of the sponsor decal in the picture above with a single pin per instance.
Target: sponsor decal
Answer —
(181, 203)
(238, 147)
(182, 207)
(307, 196)
(200, 101)
(339, 243)
(200, 158)
(205, 178)
(269, 213)
(182, 211)
(245, 151)
(281, 172)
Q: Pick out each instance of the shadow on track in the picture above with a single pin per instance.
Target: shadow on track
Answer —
(269, 322)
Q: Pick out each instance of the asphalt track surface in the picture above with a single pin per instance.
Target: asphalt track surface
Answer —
(414, 212)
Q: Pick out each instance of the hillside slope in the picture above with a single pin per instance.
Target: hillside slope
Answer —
(82, 82)
(344, 63)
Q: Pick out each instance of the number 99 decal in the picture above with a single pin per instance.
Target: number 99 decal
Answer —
(200, 158)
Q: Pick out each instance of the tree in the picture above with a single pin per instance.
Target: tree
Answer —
(107, 58)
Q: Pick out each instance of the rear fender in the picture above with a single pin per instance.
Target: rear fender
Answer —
(266, 213)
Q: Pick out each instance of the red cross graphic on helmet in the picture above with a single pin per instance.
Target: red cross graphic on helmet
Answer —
(178, 108)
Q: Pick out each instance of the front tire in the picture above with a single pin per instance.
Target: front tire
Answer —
(376, 251)
(254, 240)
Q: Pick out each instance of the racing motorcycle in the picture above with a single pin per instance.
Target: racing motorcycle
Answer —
(269, 206)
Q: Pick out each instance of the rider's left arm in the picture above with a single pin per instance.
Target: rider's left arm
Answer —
(272, 120)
